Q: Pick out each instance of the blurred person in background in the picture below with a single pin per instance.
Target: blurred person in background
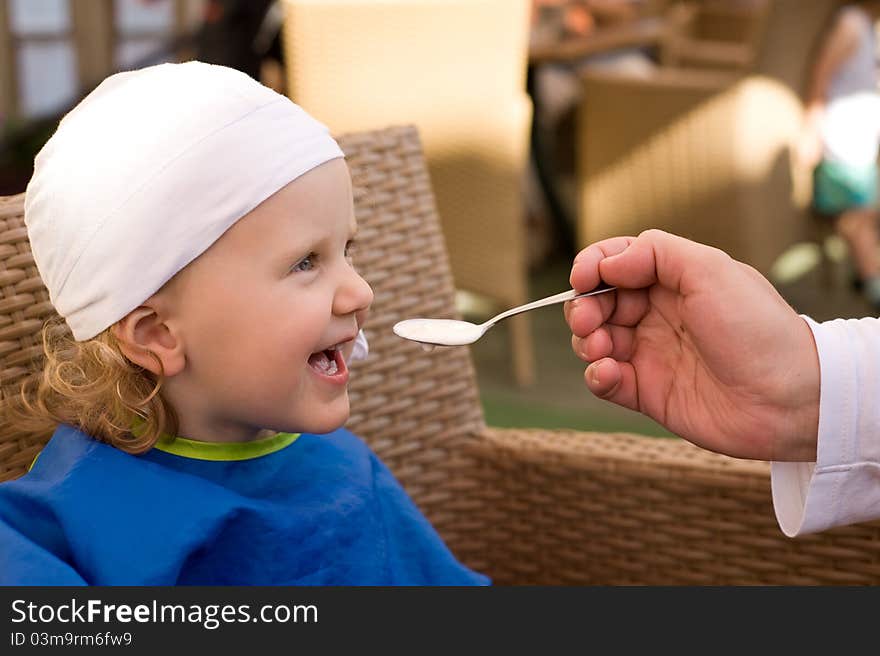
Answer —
(556, 87)
(841, 134)
(243, 34)
(239, 34)
(559, 20)
(573, 18)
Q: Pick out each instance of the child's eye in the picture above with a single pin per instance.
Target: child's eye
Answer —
(349, 248)
(305, 264)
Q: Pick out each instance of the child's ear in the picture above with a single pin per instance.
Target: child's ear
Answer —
(143, 331)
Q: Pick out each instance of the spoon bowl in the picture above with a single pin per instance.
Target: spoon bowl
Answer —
(452, 332)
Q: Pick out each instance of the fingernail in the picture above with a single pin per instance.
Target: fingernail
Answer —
(594, 373)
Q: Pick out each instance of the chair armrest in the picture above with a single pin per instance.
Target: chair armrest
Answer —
(663, 80)
(563, 507)
(704, 52)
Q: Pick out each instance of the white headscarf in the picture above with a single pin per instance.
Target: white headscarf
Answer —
(147, 172)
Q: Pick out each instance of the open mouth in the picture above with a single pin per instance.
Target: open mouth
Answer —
(329, 362)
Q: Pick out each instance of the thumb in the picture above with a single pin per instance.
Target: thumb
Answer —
(635, 266)
(656, 256)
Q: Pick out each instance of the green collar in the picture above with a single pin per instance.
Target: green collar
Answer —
(225, 451)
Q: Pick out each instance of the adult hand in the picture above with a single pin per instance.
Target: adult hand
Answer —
(700, 342)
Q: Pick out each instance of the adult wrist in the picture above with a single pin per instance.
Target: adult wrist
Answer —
(799, 443)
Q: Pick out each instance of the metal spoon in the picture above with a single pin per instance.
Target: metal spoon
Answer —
(451, 332)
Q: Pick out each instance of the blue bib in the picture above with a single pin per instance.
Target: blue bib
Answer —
(289, 510)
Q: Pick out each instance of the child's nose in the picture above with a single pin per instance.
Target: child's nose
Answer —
(354, 295)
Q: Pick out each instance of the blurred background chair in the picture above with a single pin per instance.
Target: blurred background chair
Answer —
(711, 159)
(526, 506)
(456, 69)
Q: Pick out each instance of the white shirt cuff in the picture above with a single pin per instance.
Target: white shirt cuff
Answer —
(843, 486)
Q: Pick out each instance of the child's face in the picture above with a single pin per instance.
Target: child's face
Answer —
(259, 311)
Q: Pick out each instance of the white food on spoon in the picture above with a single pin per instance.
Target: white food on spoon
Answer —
(445, 332)
(451, 332)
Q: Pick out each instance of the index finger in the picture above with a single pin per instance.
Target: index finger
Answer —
(585, 269)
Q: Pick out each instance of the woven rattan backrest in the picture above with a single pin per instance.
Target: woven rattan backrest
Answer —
(24, 306)
(414, 408)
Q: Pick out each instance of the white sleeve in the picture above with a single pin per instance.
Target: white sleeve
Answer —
(843, 486)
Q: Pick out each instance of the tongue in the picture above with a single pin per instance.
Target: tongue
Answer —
(319, 361)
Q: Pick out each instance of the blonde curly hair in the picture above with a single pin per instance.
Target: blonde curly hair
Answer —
(92, 385)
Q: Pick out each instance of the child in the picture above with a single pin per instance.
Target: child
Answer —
(193, 229)
(841, 136)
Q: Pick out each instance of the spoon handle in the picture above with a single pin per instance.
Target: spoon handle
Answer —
(562, 297)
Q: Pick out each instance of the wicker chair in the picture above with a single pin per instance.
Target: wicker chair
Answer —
(704, 154)
(524, 506)
(457, 70)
